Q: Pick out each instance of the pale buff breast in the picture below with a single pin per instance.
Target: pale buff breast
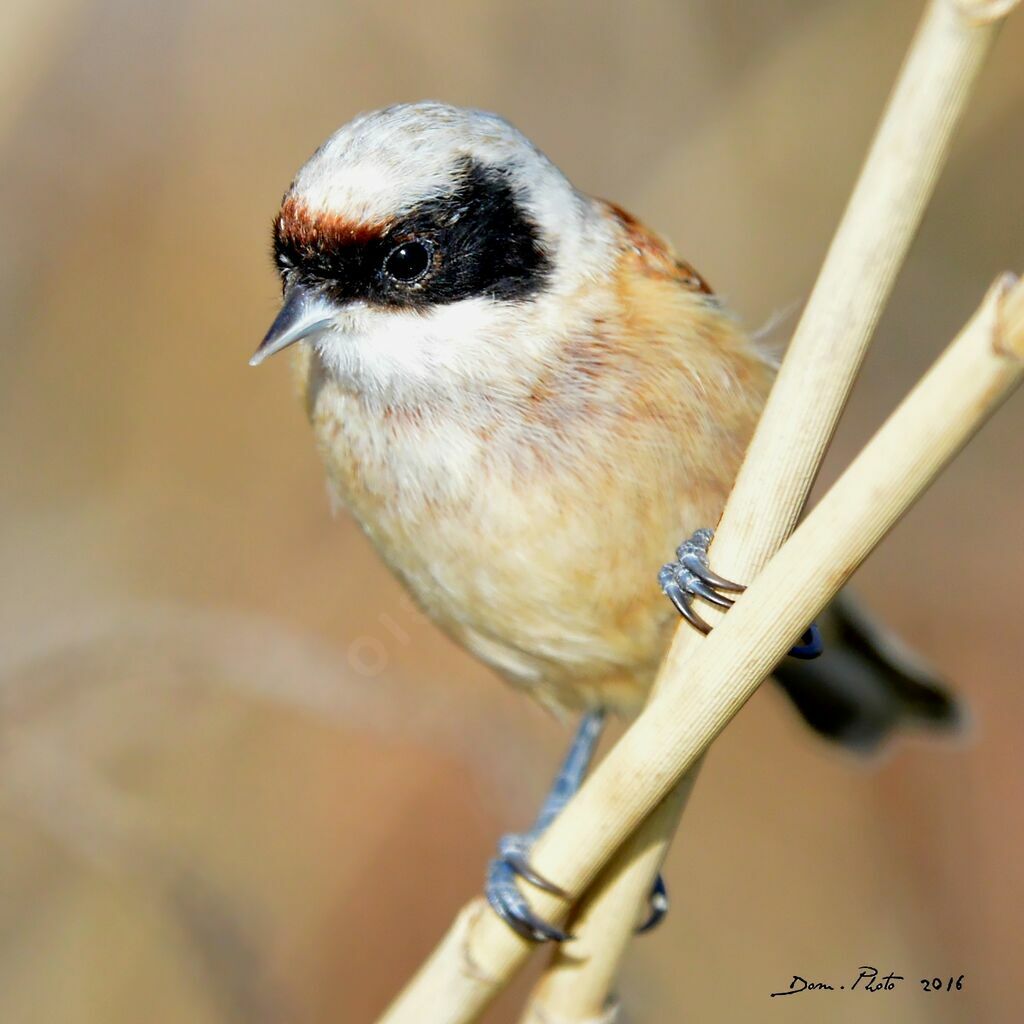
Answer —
(533, 532)
(538, 574)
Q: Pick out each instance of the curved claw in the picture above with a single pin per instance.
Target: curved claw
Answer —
(516, 860)
(692, 562)
(657, 903)
(701, 589)
(685, 606)
(681, 599)
(510, 905)
(691, 577)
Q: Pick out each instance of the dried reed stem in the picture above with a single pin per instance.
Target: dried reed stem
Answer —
(480, 953)
(821, 364)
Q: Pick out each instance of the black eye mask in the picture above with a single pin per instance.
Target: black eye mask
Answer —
(476, 241)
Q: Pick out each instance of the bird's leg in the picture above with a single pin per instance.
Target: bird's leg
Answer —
(690, 576)
(512, 861)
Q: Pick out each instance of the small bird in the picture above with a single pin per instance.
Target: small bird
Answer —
(526, 399)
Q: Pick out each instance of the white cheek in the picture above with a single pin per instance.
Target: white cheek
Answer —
(399, 354)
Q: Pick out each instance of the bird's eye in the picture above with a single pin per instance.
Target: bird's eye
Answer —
(409, 261)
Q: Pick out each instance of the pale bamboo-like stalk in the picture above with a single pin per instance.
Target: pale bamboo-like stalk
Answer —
(480, 953)
(577, 984)
(821, 364)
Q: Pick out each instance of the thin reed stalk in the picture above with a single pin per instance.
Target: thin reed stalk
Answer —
(821, 364)
(703, 683)
(480, 953)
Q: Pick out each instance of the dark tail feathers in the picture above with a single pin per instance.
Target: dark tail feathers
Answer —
(865, 685)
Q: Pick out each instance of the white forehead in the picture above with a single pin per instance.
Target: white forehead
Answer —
(385, 163)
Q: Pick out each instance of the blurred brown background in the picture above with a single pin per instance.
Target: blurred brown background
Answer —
(240, 778)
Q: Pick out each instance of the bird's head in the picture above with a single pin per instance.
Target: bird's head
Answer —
(426, 247)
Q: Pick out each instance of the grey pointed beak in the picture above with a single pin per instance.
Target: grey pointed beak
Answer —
(303, 315)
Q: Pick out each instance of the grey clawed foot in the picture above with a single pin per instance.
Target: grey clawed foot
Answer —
(510, 905)
(502, 890)
(513, 863)
(690, 576)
